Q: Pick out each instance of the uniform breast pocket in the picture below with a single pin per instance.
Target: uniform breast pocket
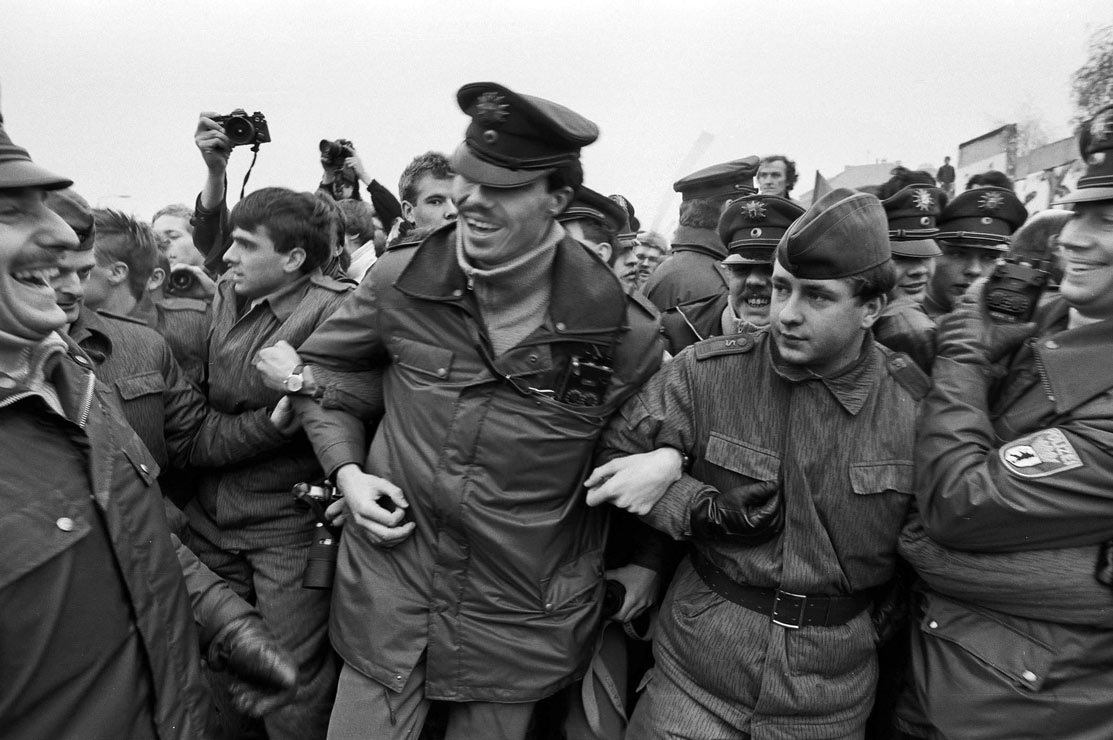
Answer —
(421, 363)
(143, 384)
(736, 463)
(881, 476)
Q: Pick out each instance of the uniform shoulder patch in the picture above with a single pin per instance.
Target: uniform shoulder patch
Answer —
(184, 304)
(121, 317)
(1038, 455)
(732, 344)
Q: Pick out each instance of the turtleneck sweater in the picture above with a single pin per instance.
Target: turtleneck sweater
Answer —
(514, 296)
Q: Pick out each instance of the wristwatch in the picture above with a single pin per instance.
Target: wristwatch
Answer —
(294, 382)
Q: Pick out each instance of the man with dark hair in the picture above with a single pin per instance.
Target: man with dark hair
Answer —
(97, 634)
(470, 568)
(776, 175)
(695, 269)
(792, 495)
(245, 522)
(990, 179)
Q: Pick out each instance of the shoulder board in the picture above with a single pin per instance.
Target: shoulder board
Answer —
(331, 283)
(732, 344)
(121, 317)
(184, 304)
(905, 372)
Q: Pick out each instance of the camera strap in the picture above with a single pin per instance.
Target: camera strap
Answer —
(254, 156)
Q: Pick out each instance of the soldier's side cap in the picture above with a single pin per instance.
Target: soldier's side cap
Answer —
(597, 207)
(77, 214)
(1095, 142)
(753, 225)
(912, 214)
(983, 218)
(732, 179)
(842, 234)
(514, 139)
(18, 171)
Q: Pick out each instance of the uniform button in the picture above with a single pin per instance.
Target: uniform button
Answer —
(80, 360)
(560, 326)
(1051, 344)
(549, 606)
(397, 678)
(933, 624)
(6, 382)
(457, 293)
(441, 372)
(1029, 676)
(144, 468)
(533, 359)
(65, 524)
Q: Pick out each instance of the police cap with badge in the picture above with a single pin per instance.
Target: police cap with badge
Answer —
(588, 204)
(18, 171)
(983, 218)
(752, 226)
(514, 139)
(844, 233)
(913, 217)
(1095, 142)
(727, 180)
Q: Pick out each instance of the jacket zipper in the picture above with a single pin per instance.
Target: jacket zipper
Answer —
(87, 401)
(1043, 375)
(12, 399)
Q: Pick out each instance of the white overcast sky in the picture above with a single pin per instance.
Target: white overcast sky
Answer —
(108, 92)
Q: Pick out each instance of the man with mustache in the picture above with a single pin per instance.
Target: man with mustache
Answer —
(470, 569)
(785, 458)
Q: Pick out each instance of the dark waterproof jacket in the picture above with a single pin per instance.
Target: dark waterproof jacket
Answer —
(501, 582)
(1015, 489)
(76, 486)
(694, 269)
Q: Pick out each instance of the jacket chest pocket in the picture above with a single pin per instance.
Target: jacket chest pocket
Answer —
(882, 476)
(421, 363)
(143, 384)
(731, 459)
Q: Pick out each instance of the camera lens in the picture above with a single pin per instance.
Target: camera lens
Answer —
(239, 130)
(182, 280)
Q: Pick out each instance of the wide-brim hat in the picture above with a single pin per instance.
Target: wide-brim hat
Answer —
(18, 171)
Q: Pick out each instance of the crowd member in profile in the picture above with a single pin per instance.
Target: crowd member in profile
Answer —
(425, 188)
(974, 231)
(172, 226)
(363, 238)
(695, 268)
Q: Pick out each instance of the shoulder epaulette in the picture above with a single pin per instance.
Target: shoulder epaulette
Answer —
(121, 317)
(905, 372)
(184, 304)
(731, 344)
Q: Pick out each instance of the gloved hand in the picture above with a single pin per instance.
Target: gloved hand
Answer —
(265, 676)
(747, 515)
(1103, 572)
(968, 335)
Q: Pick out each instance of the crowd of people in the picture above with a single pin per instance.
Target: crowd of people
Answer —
(486, 459)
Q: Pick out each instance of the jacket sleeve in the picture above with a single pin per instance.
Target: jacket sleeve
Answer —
(212, 234)
(661, 414)
(976, 494)
(387, 207)
(213, 601)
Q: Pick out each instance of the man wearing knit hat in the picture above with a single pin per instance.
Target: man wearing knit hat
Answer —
(470, 568)
(785, 458)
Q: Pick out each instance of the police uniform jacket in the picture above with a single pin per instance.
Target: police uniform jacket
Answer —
(97, 634)
(501, 582)
(840, 451)
(694, 270)
(1014, 489)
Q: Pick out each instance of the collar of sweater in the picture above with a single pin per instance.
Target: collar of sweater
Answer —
(513, 282)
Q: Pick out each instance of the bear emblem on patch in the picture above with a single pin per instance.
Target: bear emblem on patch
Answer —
(1046, 452)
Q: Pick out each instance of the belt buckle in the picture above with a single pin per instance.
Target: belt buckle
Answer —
(784, 603)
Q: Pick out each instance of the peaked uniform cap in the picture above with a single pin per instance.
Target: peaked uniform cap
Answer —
(1095, 142)
(753, 225)
(842, 234)
(732, 179)
(597, 207)
(18, 171)
(514, 139)
(912, 214)
(983, 218)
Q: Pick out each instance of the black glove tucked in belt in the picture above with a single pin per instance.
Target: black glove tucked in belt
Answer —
(747, 515)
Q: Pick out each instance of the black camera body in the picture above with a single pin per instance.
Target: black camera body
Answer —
(320, 562)
(244, 130)
(183, 282)
(585, 382)
(334, 153)
(1013, 290)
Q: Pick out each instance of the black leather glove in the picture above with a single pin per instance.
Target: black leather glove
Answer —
(1103, 572)
(968, 335)
(264, 674)
(747, 515)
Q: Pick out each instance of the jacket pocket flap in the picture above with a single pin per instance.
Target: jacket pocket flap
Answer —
(30, 535)
(145, 465)
(881, 476)
(424, 358)
(1022, 659)
(742, 458)
(574, 581)
(141, 385)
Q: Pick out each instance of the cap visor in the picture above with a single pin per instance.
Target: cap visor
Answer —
(24, 174)
(1085, 195)
(465, 163)
(915, 248)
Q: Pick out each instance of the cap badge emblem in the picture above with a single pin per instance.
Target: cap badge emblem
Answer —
(991, 201)
(755, 232)
(755, 210)
(491, 109)
(925, 220)
(922, 199)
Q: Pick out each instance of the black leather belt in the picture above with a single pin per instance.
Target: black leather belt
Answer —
(784, 608)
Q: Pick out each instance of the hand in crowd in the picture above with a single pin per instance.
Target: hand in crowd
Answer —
(641, 584)
(363, 503)
(635, 482)
(284, 418)
(967, 334)
(276, 363)
(204, 287)
(355, 164)
(264, 673)
(213, 142)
